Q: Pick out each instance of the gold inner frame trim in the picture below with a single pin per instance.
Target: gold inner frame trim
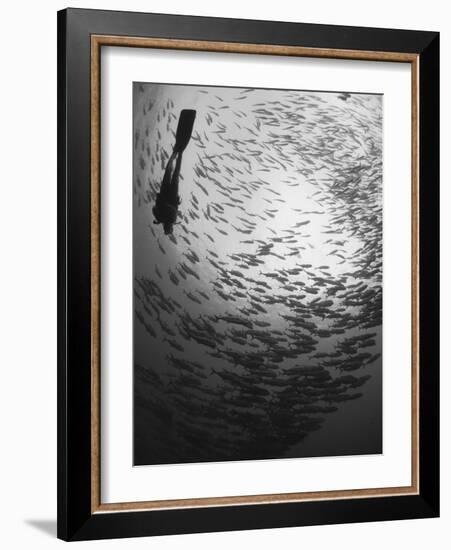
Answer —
(97, 41)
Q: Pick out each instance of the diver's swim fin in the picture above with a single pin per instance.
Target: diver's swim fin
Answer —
(184, 129)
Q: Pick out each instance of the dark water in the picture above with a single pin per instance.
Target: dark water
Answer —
(258, 323)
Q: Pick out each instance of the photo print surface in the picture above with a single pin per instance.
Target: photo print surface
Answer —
(257, 252)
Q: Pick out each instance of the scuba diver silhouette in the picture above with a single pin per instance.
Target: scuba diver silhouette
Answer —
(168, 200)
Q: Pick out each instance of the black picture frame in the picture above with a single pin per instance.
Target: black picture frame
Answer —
(76, 518)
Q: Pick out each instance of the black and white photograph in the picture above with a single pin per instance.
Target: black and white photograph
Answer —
(257, 246)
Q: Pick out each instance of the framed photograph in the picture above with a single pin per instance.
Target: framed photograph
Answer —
(248, 274)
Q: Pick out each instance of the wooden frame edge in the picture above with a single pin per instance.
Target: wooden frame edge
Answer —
(95, 276)
(415, 270)
(230, 47)
(235, 47)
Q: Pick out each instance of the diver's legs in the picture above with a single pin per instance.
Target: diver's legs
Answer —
(170, 185)
(168, 174)
(175, 177)
(173, 187)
